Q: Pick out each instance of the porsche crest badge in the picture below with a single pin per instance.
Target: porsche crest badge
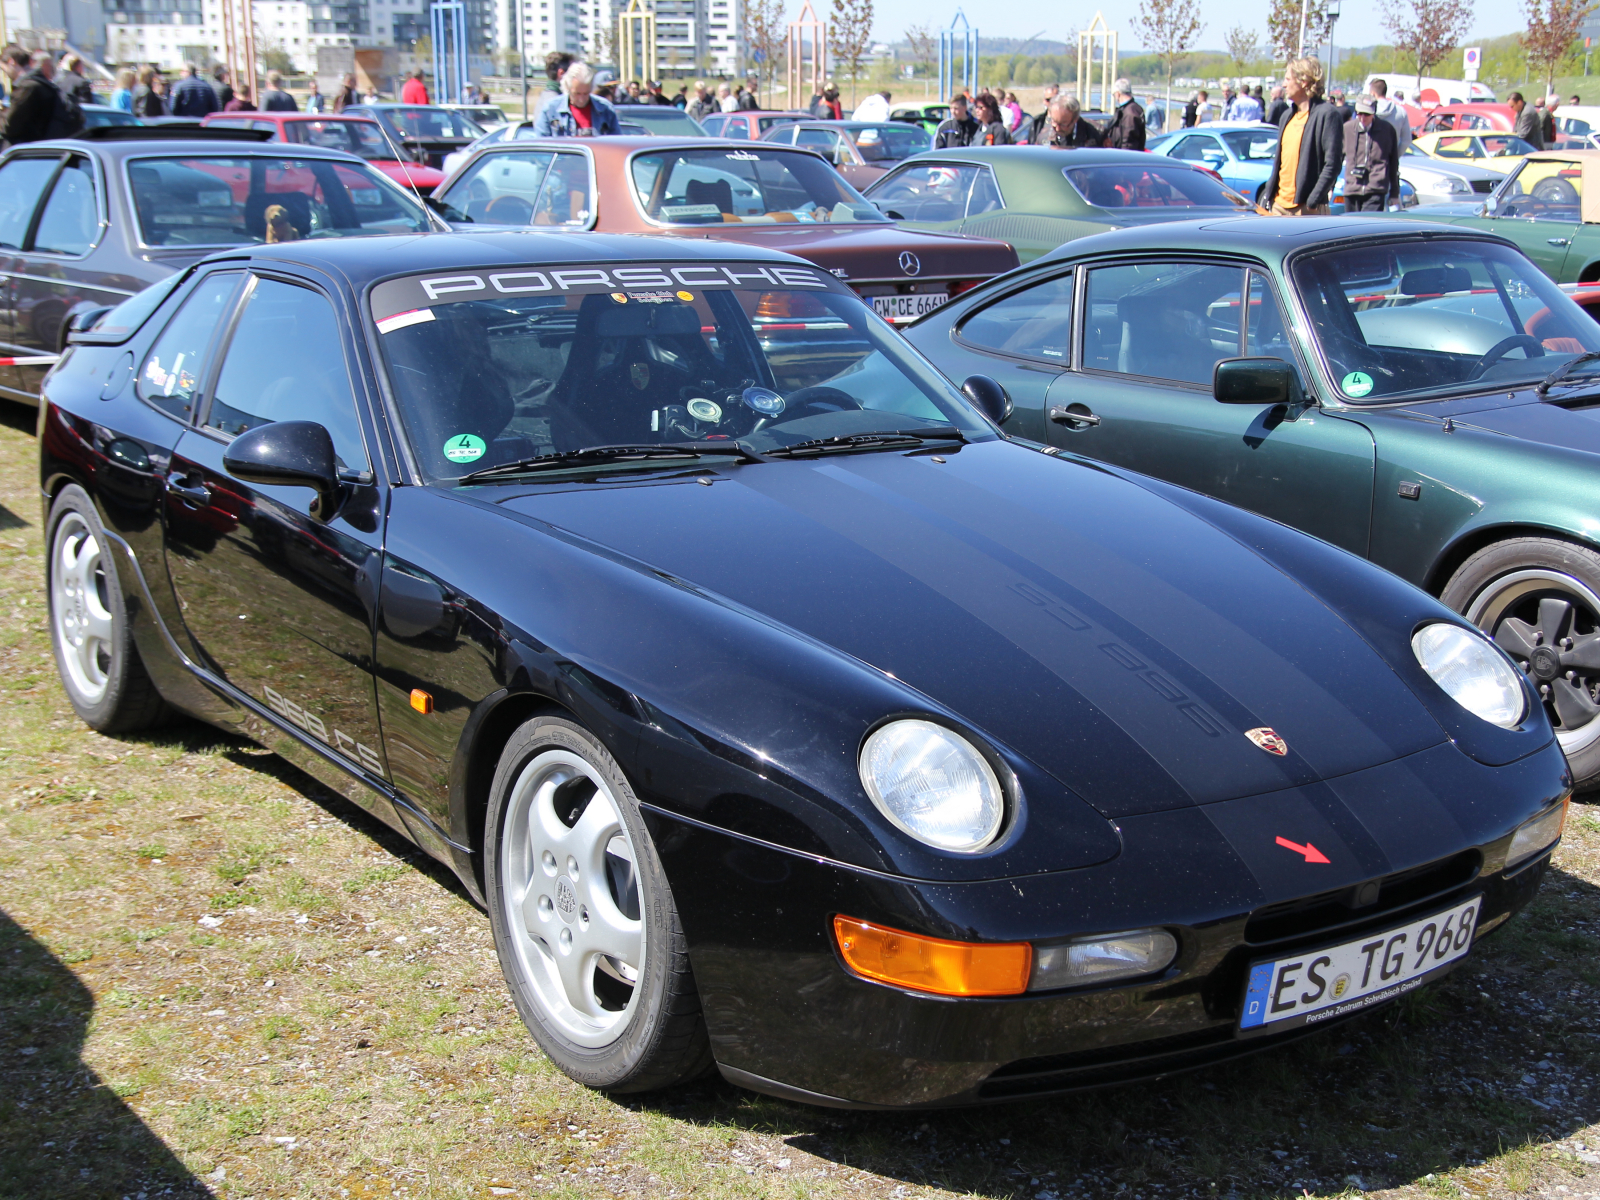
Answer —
(1268, 741)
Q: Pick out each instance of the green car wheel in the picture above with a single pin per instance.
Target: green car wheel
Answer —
(1539, 598)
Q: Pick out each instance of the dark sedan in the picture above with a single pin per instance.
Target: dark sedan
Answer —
(87, 222)
(785, 717)
(425, 131)
(1435, 407)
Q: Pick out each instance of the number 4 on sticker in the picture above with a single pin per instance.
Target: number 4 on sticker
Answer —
(464, 448)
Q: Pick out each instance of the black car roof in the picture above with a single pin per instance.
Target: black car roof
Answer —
(362, 260)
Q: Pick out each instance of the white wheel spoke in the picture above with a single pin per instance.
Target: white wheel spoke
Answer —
(612, 933)
(576, 969)
(84, 629)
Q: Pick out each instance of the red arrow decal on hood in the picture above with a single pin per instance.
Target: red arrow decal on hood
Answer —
(1313, 855)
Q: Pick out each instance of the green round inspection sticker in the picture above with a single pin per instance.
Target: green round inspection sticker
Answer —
(468, 447)
(1357, 383)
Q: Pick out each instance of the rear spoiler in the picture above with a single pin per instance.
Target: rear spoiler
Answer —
(172, 131)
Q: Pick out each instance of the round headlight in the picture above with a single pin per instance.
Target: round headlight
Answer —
(1474, 673)
(933, 785)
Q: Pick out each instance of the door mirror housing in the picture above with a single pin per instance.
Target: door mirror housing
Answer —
(992, 399)
(288, 454)
(1255, 381)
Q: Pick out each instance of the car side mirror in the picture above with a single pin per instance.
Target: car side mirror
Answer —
(1255, 381)
(288, 454)
(992, 399)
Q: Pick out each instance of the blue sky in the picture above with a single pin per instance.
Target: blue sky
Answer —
(1360, 22)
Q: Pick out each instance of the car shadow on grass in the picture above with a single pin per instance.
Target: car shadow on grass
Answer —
(64, 1131)
(1487, 1064)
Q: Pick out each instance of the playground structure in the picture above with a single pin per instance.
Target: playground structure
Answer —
(800, 82)
(636, 60)
(449, 52)
(949, 82)
(239, 45)
(1097, 47)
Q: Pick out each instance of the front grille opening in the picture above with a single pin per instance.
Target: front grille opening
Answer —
(1484, 186)
(1330, 911)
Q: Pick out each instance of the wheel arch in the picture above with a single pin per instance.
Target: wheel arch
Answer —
(1473, 540)
(1590, 272)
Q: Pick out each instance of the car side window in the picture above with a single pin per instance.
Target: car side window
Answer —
(1192, 148)
(502, 189)
(1162, 320)
(1266, 332)
(175, 368)
(1033, 323)
(734, 128)
(825, 142)
(285, 363)
(564, 196)
(935, 192)
(22, 182)
(985, 194)
(1543, 191)
(70, 222)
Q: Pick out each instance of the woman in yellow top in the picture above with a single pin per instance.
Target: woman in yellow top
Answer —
(1312, 143)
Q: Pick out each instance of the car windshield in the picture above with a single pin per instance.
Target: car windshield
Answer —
(1425, 317)
(890, 143)
(1107, 186)
(429, 122)
(364, 138)
(665, 120)
(194, 200)
(1252, 145)
(495, 367)
(1542, 190)
(752, 186)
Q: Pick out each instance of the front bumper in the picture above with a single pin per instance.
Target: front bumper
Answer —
(786, 1017)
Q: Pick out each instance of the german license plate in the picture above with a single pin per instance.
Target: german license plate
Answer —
(907, 308)
(1317, 985)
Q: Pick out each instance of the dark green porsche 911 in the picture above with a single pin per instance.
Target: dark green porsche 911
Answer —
(1423, 396)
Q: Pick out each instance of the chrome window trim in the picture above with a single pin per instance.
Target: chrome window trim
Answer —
(60, 282)
(513, 145)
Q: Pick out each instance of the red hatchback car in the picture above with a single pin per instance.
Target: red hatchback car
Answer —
(1487, 117)
(360, 136)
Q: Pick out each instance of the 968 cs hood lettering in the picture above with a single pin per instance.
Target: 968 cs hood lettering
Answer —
(1207, 731)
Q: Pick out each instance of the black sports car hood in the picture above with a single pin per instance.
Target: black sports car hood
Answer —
(1120, 641)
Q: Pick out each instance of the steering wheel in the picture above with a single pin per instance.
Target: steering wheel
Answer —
(1501, 348)
(810, 401)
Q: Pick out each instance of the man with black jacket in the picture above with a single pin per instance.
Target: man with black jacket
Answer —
(1310, 147)
(1126, 131)
(958, 129)
(1372, 160)
(38, 109)
(1064, 128)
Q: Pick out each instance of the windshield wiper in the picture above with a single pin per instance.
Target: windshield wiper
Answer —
(1560, 373)
(618, 453)
(883, 439)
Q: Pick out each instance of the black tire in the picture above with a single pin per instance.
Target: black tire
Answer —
(1532, 592)
(99, 665)
(653, 1034)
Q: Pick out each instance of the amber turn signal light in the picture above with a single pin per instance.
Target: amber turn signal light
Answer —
(926, 964)
(421, 701)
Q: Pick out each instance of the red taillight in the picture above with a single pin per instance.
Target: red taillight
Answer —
(958, 286)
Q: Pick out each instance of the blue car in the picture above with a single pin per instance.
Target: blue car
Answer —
(1240, 152)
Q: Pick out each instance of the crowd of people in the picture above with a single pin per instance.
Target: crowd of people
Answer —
(996, 119)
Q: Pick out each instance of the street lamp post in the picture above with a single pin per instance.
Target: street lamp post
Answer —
(522, 58)
(1332, 13)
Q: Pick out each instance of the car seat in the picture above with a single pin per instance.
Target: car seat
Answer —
(449, 384)
(710, 191)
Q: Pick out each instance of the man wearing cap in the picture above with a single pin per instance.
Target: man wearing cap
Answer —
(1371, 160)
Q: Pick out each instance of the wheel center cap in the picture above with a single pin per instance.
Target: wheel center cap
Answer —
(1545, 664)
(566, 900)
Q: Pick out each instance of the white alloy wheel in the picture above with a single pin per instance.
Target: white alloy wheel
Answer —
(570, 897)
(80, 605)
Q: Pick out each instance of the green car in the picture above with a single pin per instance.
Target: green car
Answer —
(929, 115)
(1420, 396)
(1037, 198)
(1541, 207)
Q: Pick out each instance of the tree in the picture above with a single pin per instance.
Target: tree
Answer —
(922, 47)
(1283, 26)
(767, 27)
(1168, 27)
(1552, 28)
(1243, 48)
(1426, 30)
(849, 34)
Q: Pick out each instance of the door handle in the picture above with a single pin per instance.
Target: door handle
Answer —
(1559, 241)
(1077, 416)
(192, 493)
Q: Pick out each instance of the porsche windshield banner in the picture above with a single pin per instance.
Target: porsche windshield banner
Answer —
(402, 302)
